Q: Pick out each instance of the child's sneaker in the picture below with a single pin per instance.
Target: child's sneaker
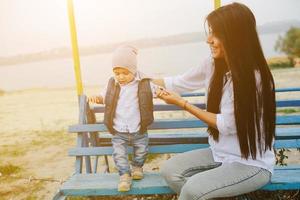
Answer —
(137, 173)
(124, 183)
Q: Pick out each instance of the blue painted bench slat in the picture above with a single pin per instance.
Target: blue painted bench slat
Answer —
(177, 124)
(166, 136)
(173, 148)
(153, 183)
(163, 107)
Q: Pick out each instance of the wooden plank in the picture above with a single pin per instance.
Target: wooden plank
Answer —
(170, 148)
(292, 89)
(168, 107)
(59, 196)
(174, 148)
(157, 107)
(288, 103)
(295, 143)
(175, 124)
(195, 137)
(80, 140)
(284, 179)
(162, 124)
(281, 133)
(288, 120)
(287, 132)
(106, 184)
(289, 166)
(153, 183)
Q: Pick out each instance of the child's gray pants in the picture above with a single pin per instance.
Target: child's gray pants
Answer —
(121, 141)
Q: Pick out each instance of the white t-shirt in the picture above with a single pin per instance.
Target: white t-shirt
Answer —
(127, 116)
(227, 149)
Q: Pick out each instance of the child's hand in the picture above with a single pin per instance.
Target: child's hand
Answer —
(160, 91)
(95, 99)
(169, 97)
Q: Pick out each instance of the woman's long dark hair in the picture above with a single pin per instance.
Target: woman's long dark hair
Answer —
(235, 26)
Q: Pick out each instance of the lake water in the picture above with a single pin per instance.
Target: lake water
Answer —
(96, 69)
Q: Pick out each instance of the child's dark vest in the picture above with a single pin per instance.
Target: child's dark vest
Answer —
(145, 104)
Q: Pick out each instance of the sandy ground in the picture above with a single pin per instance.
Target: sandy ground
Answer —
(34, 139)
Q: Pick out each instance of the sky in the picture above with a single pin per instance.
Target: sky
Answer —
(29, 26)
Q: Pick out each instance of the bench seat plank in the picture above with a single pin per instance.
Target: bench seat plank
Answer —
(171, 148)
(284, 178)
(176, 124)
(194, 136)
(177, 148)
(106, 184)
(168, 107)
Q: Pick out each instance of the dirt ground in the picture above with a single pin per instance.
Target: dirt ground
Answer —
(34, 139)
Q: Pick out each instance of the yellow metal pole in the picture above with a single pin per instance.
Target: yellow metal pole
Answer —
(75, 48)
(217, 3)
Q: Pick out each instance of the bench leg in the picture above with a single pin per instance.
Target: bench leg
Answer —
(106, 165)
(59, 196)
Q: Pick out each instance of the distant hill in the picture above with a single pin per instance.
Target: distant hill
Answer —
(278, 27)
(64, 52)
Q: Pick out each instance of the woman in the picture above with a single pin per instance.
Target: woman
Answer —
(240, 112)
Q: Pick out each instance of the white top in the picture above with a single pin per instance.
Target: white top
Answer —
(227, 150)
(127, 117)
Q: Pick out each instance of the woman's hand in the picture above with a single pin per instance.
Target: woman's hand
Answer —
(174, 98)
(95, 99)
(170, 97)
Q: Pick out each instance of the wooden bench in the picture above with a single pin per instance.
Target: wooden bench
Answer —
(166, 136)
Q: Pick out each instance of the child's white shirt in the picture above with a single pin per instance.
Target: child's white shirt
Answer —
(127, 116)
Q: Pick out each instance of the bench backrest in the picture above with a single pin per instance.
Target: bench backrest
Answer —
(174, 132)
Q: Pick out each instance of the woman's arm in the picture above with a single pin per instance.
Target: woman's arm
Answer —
(207, 117)
(193, 79)
(173, 98)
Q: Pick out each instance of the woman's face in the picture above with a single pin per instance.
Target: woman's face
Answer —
(215, 45)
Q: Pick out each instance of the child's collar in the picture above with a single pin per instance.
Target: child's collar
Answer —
(141, 76)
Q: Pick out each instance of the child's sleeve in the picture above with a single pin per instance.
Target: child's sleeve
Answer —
(103, 93)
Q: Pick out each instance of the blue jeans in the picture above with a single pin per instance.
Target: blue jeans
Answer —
(120, 142)
(194, 175)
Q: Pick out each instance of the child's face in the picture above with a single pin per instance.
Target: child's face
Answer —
(123, 76)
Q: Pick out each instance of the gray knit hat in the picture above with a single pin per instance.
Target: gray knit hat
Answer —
(125, 57)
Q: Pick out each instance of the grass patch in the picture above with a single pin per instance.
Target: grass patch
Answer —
(12, 150)
(51, 137)
(41, 139)
(151, 157)
(279, 63)
(20, 189)
(2, 92)
(288, 110)
(15, 150)
(9, 169)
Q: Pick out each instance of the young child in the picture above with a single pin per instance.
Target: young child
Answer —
(128, 113)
